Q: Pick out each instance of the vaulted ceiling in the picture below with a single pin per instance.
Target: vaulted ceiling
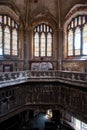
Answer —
(31, 9)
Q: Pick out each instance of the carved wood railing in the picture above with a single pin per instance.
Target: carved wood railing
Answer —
(10, 78)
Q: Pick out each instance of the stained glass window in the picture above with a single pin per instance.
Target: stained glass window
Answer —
(85, 40)
(5, 19)
(79, 20)
(75, 21)
(70, 43)
(49, 44)
(47, 29)
(43, 45)
(14, 42)
(44, 28)
(9, 21)
(43, 40)
(77, 44)
(7, 41)
(77, 38)
(8, 36)
(83, 19)
(36, 45)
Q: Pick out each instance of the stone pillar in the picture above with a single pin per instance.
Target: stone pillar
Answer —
(60, 34)
(60, 48)
(26, 49)
(30, 46)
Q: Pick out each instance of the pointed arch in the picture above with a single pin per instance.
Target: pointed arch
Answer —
(77, 22)
(43, 40)
(8, 36)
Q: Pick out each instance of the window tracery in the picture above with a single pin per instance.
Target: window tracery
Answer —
(43, 41)
(8, 36)
(77, 36)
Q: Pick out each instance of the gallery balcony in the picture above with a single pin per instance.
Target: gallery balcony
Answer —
(22, 90)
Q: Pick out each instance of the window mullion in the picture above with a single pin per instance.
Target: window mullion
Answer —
(81, 41)
(17, 41)
(78, 24)
(73, 42)
(45, 44)
(39, 44)
(67, 42)
(10, 41)
(2, 35)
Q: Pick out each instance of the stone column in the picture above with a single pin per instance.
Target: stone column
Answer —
(60, 35)
(26, 49)
(60, 48)
(27, 41)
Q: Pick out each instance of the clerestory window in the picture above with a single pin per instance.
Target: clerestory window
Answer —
(77, 36)
(43, 40)
(8, 36)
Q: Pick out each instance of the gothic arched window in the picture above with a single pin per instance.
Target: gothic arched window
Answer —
(43, 40)
(8, 36)
(77, 36)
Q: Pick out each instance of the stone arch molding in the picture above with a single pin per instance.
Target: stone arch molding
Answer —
(78, 9)
(4, 9)
(43, 16)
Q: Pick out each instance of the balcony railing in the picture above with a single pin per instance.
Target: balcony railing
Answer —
(10, 78)
(17, 98)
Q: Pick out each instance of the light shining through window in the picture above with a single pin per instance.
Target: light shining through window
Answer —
(77, 36)
(8, 36)
(43, 40)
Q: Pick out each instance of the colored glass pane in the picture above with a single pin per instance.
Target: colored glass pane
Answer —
(84, 51)
(49, 44)
(75, 21)
(5, 19)
(36, 45)
(79, 20)
(43, 45)
(70, 43)
(77, 42)
(14, 42)
(7, 41)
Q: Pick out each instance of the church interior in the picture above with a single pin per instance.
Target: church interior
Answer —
(43, 64)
